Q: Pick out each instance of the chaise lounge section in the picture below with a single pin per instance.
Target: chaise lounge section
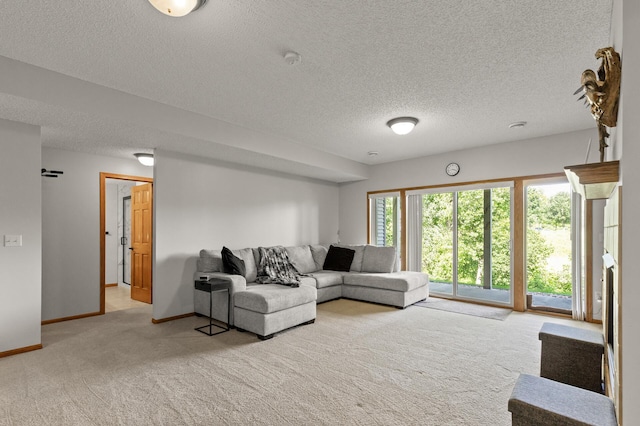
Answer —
(264, 309)
(269, 308)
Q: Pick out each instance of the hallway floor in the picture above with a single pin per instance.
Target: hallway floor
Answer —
(118, 298)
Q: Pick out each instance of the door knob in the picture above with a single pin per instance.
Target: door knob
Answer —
(130, 248)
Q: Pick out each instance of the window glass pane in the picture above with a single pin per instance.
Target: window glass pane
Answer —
(470, 237)
(484, 249)
(437, 241)
(385, 223)
(501, 238)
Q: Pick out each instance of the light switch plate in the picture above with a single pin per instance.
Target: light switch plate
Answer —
(12, 240)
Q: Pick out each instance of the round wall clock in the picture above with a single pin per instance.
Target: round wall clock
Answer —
(453, 169)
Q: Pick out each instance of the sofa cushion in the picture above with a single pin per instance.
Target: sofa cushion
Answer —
(249, 263)
(210, 261)
(378, 259)
(309, 281)
(268, 298)
(356, 264)
(338, 259)
(327, 278)
(232, 264)
(319, 254)
(396, 281)
(301, 259)
(256, 258)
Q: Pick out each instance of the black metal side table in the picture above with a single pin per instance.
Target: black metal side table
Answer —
(214, 284)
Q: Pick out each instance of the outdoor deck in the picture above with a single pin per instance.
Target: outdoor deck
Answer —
(501, 296)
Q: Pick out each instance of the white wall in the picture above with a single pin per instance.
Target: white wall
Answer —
(71, 230)
(628, 133)
(201, 203)
(20, 212)
(528, 157)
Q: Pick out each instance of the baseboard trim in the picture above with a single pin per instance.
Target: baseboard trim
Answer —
(177, 317)
(111, 285)
(548, 313)
(74, 317)
(21, 350)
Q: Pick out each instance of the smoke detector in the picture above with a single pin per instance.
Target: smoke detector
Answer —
(517, 125)
(292, 58)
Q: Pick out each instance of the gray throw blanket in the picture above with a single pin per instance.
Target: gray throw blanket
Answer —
(276, 268)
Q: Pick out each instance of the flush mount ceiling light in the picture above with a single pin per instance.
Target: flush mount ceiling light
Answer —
(402, 125)
(144, 159)
(177, 8)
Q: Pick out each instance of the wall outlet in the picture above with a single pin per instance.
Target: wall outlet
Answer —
(13, 240)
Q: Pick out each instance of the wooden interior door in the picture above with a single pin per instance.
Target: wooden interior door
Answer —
(141, 242)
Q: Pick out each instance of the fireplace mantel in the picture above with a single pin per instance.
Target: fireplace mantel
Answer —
(594, 181)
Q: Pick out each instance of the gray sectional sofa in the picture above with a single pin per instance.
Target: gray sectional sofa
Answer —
(265, 309)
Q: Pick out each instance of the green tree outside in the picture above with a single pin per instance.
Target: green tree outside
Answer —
(542, 212)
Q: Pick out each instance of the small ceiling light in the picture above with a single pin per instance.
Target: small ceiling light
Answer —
(177, 8)
(517, 125)
(402, 125)
(145, 159)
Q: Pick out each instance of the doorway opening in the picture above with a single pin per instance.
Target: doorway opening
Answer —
(126, 229)
(550, 246)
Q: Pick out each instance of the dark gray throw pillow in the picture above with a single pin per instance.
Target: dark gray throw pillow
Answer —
(338, 259)
(232, 264)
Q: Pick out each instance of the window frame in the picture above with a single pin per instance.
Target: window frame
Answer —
(372, 217)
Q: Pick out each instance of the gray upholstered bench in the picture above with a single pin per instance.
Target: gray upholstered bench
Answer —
(265, 309)
(536, 401)
(572, 356)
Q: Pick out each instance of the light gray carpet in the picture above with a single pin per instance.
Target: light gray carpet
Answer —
(360, 364)
(465, 308)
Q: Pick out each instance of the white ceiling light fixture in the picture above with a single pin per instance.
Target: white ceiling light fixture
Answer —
(402, 125)
(145, 159)
(177, 8)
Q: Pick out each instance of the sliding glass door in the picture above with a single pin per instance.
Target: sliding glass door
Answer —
(465, 241)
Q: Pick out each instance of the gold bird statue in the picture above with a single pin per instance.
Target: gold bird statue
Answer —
(602, 93)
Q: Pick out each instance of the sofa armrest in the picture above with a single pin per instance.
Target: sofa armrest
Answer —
(238, 283)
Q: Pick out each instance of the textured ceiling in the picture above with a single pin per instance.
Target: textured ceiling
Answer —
(464, 69)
